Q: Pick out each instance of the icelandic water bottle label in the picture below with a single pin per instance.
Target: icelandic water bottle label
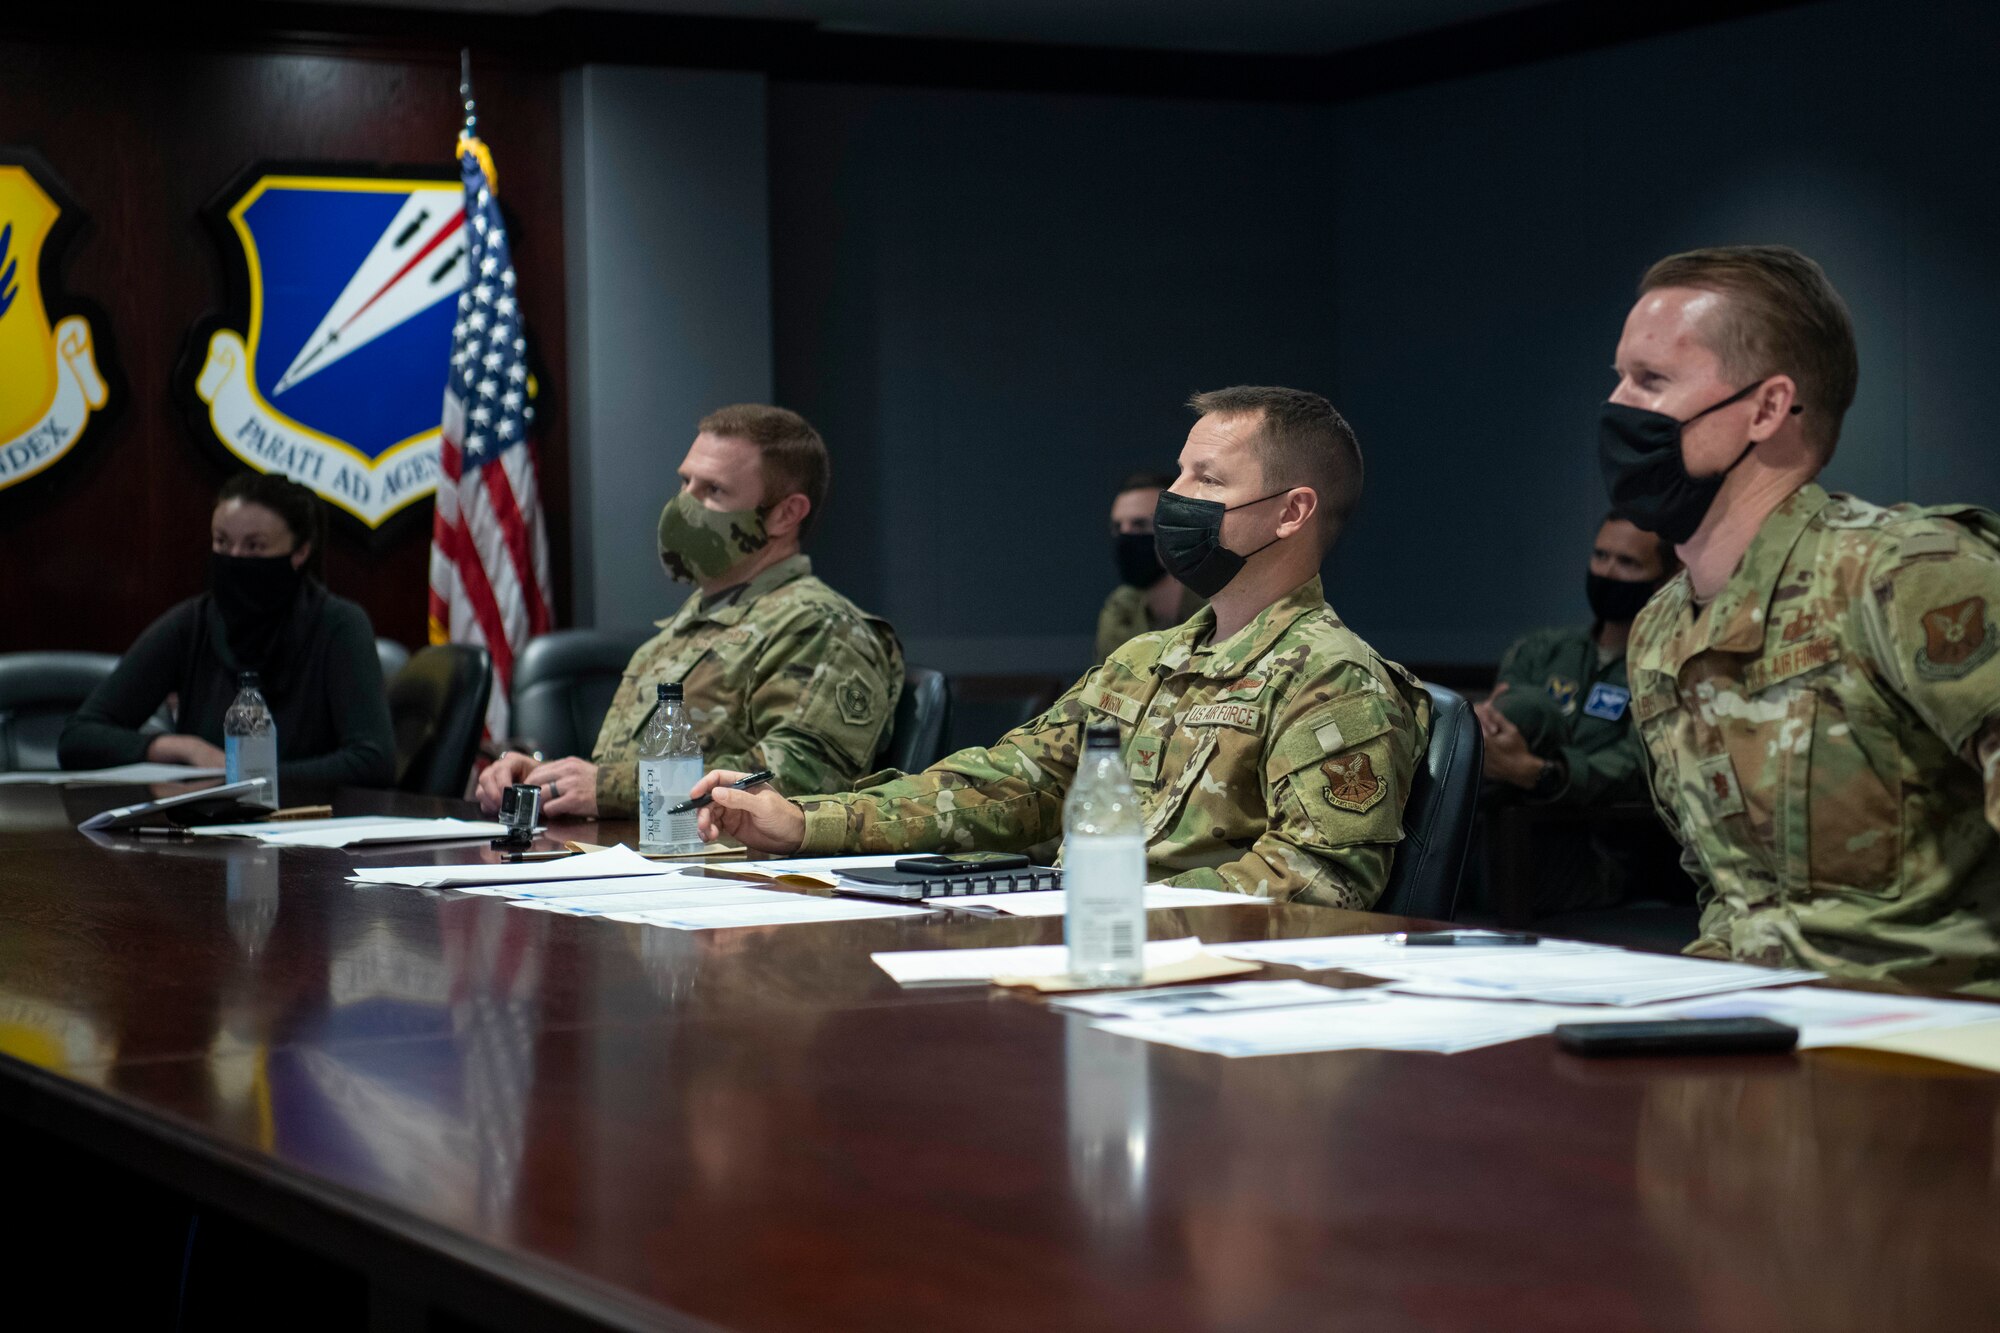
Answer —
(682, 772)
(232, 759)
(1105, 920)
(653, 805)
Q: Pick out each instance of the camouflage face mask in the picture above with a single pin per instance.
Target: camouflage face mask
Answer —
(698, 543)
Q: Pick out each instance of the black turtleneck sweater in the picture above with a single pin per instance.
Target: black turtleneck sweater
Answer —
(321, 677)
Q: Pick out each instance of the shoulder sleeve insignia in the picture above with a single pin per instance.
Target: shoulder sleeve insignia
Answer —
(1956, 639)
(1563, 690)
(856, 701)
(1351, 783)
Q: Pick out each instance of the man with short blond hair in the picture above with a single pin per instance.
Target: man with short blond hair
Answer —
(778, 671)
(1271, 749)
(1818, 692)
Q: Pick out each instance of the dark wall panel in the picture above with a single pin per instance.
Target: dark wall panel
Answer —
(145, 138)
(994, 305)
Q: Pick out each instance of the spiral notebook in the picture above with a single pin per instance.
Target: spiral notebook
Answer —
(902, 886)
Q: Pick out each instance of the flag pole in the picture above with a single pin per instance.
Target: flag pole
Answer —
(465, 91)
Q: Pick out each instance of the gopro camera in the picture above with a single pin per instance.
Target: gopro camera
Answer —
(520, 812)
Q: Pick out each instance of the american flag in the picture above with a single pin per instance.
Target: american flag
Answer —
(489, 550)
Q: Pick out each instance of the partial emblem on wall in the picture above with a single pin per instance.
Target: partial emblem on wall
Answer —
(52, 390)
(330, 366)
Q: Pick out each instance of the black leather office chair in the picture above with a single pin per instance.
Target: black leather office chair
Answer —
(916, 737)
(38, 692)
(563, 685)
(393, 656)
(437, 705)
(1437, 823)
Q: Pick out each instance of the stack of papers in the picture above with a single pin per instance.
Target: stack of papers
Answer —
(912, 967)
(353, 830)
(618, 884)
(1554, 971)
(135, 774)
(1376, 1021)
(614, 862)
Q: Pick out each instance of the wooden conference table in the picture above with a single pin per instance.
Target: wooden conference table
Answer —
(536, 1121)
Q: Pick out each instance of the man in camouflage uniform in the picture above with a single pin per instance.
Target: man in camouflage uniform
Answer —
(1558, 728)
(1147, 598)
(1271, 748)
(778, 670)
(1818, 693)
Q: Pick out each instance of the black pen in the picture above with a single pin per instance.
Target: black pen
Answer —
(1468, 940)
(761, 775)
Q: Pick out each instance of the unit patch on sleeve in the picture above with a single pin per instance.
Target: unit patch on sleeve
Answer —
(1351, 783)
(1956, 639)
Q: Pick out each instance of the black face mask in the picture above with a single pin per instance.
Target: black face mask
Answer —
(253, 594)
(1188, 533)
(1615, 601)
(1138, 563)
(1640, 452)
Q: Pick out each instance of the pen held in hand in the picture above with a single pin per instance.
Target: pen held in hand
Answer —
(741, 784)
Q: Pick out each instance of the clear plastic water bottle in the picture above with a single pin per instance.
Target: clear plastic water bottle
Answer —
(669, 766)
(1104, 867)
(250, 740)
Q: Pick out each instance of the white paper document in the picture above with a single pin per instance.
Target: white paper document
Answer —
(1214, 998)
(617, 861)
(1381, 1022)
(914, 966)
(624, 906)
(136, 774)
(777, 909)
(1353, 953)
(1613, 976)
(1827, 1017)
(354, 831)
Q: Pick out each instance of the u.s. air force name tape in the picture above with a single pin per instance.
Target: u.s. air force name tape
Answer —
(370, 490)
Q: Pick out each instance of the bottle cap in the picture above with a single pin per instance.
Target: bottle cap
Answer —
(246, 680)
(1100, 736)
(670, 690)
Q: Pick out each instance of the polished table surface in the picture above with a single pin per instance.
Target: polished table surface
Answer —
(756, 1129)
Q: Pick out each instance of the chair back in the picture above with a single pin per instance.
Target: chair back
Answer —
(393, 656)
(38, 692)
(437, 704)
(1437, 822)
(916, 738)
(563, 685)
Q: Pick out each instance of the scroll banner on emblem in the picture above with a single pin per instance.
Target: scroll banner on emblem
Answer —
(51, 387)
(330, 364)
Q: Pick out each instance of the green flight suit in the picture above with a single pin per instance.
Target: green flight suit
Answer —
(1275, 763)
(1824, 740)
(781, 673)
(1126, 616)
(1575, 710)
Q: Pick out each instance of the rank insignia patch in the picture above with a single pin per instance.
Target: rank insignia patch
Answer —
(331, 368)
(51, 387)
(1956, 639)
(1351, 783)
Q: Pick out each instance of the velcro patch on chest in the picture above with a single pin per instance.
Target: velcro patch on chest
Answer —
(1352, 783)
(1661, 699)
(1791, 660)
(1122, 707)
(1242, 716)
(1147, 752)
(1719, 786)
(1607, 702)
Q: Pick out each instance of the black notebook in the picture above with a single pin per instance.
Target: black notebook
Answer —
(903, 887)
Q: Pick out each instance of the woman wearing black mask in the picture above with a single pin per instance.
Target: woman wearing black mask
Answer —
(267, 611)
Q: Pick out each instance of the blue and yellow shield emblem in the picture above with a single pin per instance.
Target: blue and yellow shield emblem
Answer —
(50, 385)
(332, 368)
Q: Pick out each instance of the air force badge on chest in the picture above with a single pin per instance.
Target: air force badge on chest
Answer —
(1607, 702)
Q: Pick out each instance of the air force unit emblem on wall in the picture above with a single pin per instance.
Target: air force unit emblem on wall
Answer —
(50, 385)
(331, 369)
